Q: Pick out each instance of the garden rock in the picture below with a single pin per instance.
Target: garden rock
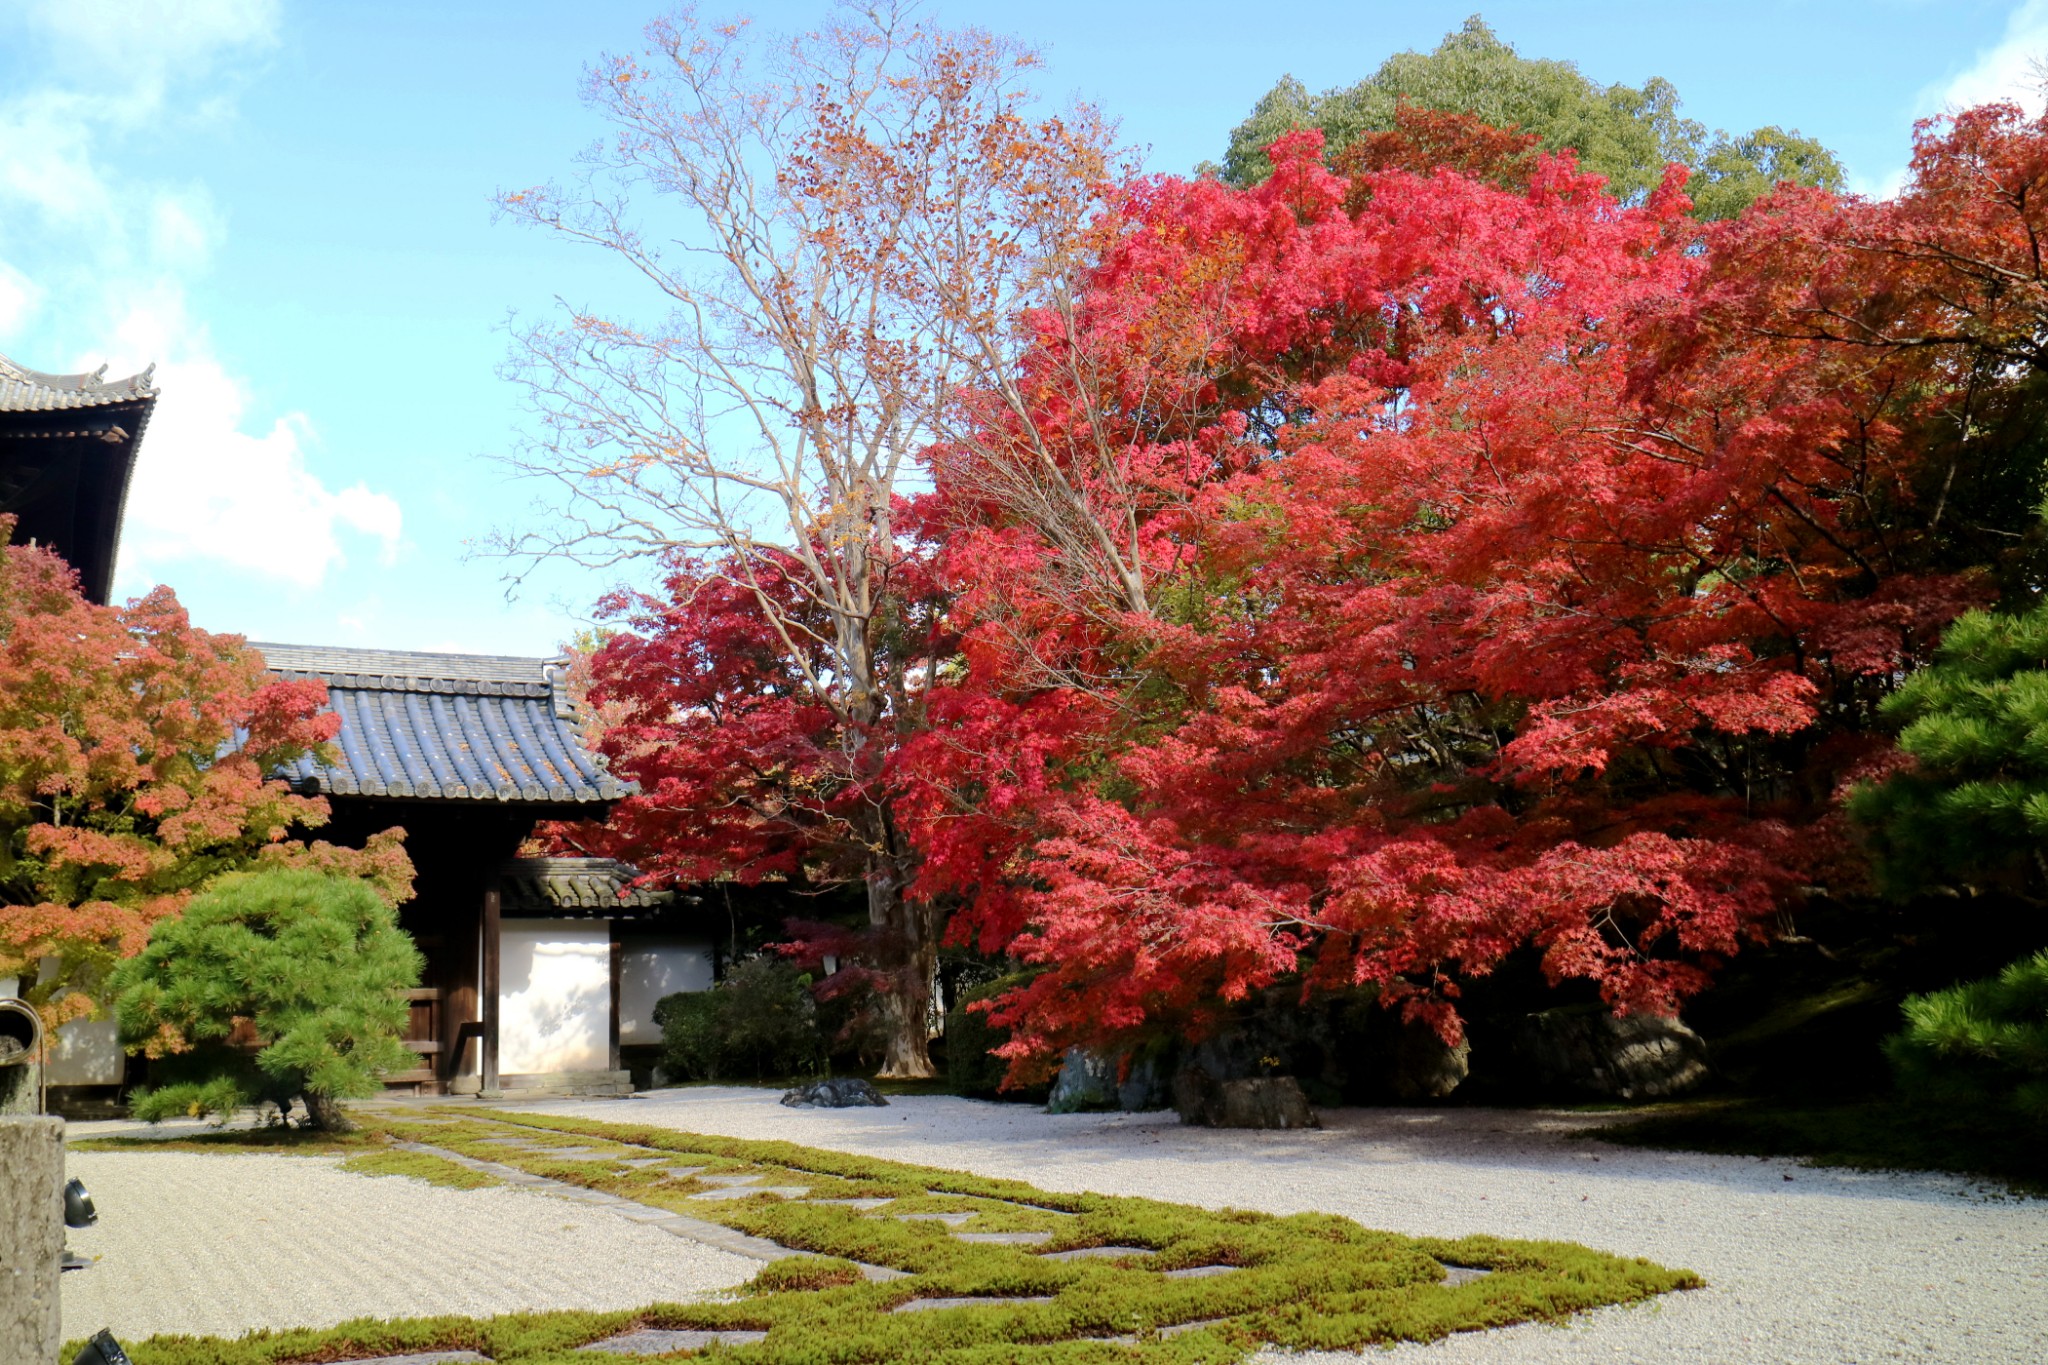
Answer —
(1144, 1088)
(1252, 1102)
(1086, 1084)
(1424, 1067)
(1592, 1053)
(1094, 1082)
(840, 1092)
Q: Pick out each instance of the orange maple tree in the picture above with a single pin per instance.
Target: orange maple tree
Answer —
(136, 754)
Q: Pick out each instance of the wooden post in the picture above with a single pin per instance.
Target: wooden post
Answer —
(490, 989)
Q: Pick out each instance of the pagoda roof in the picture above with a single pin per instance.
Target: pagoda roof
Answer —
(67, 449)
(26, 390)
(481, 728)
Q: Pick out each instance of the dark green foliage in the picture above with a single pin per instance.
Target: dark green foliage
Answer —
(759, 1021)
(972, 1068)
(1621, 132)
(318, 966)
(1981, 1048)
(1868, 1135)
(1973, 812)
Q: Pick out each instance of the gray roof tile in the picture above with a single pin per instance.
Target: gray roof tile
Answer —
(26, 390)
(573, 886)
(450, 727)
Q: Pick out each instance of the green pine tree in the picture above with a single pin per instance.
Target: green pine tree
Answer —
(1981, 1046)
(1972, 813)
(318, 966)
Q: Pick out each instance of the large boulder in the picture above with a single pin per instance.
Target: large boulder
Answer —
(1591, 1053)
(1250, 1102)
(1096, 1082)
(1086, 1084)
(840, 1092)
(1423, 1066)
(1144, 1087)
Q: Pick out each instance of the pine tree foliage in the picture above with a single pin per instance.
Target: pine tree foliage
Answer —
(1973, 808)
(1982, 1045)
(1627, 134)
(314, 966)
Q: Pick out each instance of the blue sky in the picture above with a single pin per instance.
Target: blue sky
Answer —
(286, 206)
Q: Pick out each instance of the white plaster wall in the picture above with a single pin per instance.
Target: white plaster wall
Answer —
(87, 1052)
(84, 1052)
(652, 968)
(555, 996)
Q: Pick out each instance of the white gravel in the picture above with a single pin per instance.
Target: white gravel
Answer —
(1825, 1268)
(220, 1244)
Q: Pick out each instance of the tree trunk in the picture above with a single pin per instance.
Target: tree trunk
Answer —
(326, 1114)
(913, 951)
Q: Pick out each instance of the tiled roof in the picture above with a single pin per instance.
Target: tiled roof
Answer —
(26, 390)
(450, 727)
(573, 886)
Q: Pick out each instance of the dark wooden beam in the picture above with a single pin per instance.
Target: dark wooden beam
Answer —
(490, 988)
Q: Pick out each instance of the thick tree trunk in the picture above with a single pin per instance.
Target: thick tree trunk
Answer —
(326, 1114)
(913, 952)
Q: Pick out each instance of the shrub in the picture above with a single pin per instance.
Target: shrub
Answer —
(972, 1068)
(314, 963)
(760, 1021)
(1981, 1045)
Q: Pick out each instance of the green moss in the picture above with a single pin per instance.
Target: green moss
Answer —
(435, 1170)
(805, 1272)
(289, 1141)
(1307, 1281)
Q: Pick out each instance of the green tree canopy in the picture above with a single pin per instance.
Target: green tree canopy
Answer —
(1626, 133)
(315, 964)
(1973, 810)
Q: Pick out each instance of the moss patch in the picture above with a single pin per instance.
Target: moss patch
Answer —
(435, 1170)
(1308, 1281)
(286, 1141)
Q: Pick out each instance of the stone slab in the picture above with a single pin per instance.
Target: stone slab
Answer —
(930, 1305)
(654, 1342)
(1012, 1239)
(1455, 1275)
(748, 1191)
(862, 1204)
(1199, 1272)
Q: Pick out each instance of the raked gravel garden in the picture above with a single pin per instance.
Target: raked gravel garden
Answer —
(1800, 1264)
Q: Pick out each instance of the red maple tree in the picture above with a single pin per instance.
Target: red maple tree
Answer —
(1397, 571)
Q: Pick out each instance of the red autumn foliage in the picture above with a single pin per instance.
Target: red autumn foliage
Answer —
(1398, 573)
(719, 709)
(1425, 141)
(135, 753)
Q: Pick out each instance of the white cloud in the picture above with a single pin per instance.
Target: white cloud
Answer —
(2008, 70)
(19, 299)
(94, 267)
(207, 488)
